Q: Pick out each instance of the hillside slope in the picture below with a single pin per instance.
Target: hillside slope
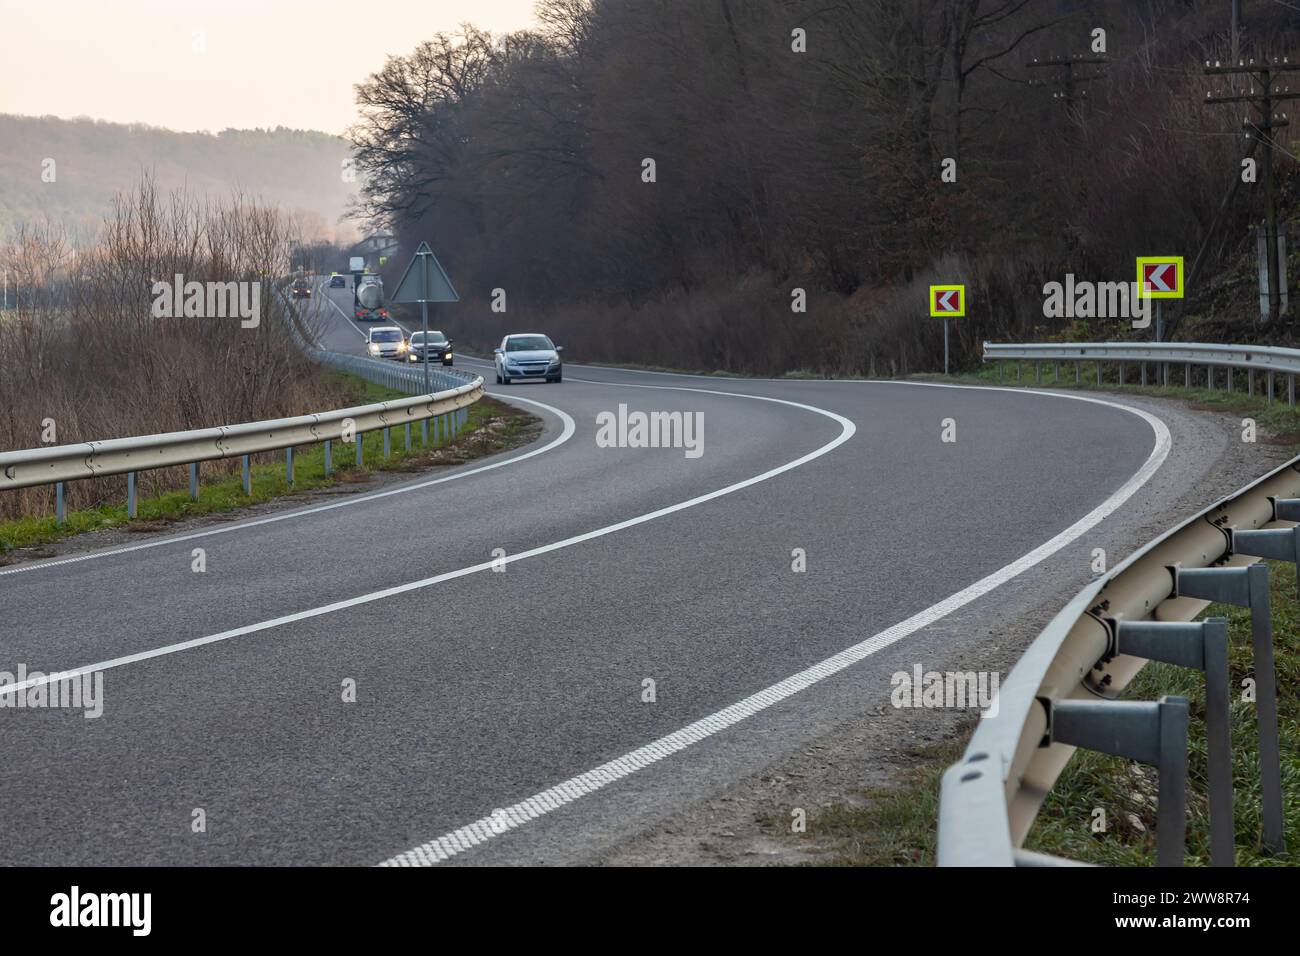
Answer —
(300, 171)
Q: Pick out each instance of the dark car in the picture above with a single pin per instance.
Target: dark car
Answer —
(439, 348)
(301, 290)
(338, 282)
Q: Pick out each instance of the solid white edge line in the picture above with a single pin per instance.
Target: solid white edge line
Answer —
(567, 432)
(847, 429)
(503, 820)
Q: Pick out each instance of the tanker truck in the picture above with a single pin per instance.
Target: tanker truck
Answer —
(369, 299)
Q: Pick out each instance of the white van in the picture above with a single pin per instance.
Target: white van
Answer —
(386, 341)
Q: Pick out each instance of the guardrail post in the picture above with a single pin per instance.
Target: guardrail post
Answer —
(194, 481)
(1056, 380)
(1144, 372)
(1078, 372)
(1250, 382)
(1164, 374)
(408, 436)
(1280, 544)
(1290, 389)
(1229, 378)
(329, 462)
(1098, 373)
(1209, 378)
(1203, 646)
(1017, 370)
(1151, 732)
(1248, 587)
(247, 478)
(999, 367)
(1270, 386)
(59, 516)
(360, 438)
(1121, 373)
(1187, 375)
(288, 465)
(1286, 509)
(388, 447)
(130, 494)
(424, 432)
(1038, 373)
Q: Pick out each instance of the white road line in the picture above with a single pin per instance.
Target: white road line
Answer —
(348, 318)
(485, 828)
(847, 429)
(569, 428)
(506, 819)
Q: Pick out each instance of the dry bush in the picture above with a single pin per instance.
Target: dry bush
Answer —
(83, 348)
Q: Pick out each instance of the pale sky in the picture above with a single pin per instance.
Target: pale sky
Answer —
(213, 64)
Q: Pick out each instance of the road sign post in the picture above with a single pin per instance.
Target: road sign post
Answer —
(1158, 278)
(1274, 277)
(947, 302)
(424, 281)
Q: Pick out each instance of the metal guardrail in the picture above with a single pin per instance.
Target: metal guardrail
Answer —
(58, 464)
(1164, 355)
(1062, 693)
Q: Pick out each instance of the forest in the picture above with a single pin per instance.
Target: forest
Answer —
(667, 182)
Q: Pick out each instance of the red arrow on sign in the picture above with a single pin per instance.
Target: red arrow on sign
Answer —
(948, 301)
(1160, 277)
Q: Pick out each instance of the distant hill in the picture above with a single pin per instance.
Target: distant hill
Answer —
(297, 170)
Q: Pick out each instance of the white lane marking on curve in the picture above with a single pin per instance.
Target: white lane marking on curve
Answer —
(502, 821)
(847, 430)
(567, 432)
(330, 299)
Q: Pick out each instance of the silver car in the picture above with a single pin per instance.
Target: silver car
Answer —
(528, 355)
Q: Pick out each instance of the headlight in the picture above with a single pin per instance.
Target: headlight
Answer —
(374, 349)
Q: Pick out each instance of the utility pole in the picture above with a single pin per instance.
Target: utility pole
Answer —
(1065, 87)
(1236, 31)
(1264, 91)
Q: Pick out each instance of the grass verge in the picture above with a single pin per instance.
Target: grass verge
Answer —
(1279, 422)
(492, 427)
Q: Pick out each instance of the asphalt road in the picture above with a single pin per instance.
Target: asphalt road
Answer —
(479, 690)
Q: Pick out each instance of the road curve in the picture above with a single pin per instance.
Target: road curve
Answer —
(478, 690)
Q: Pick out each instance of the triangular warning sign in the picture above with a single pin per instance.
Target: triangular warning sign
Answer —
(424, 280)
